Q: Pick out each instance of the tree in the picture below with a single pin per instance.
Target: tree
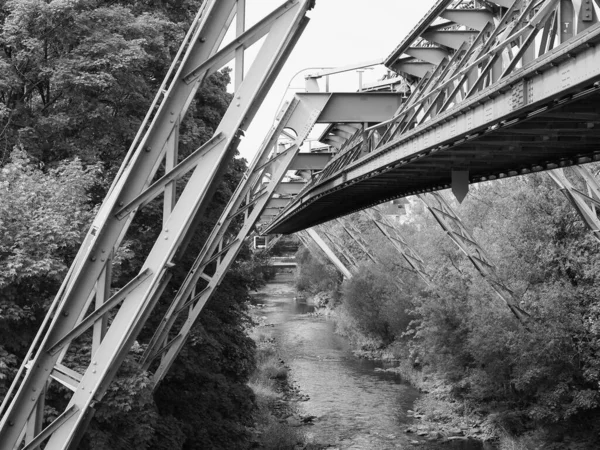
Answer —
(314, 276)
(43, 219)
(76, 79)
(372, 297)
(548, 372)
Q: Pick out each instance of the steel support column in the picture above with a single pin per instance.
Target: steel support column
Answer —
(460, 235)
(312, 234)
(219, 251)
(584, 202)
(140, 165)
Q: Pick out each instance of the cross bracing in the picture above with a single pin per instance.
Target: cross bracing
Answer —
(583, 194)
(82, 304)
(455, 229)
(518, 95)
(497, 89)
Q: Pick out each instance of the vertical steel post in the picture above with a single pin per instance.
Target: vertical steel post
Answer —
(239, 52)
(171, 159)
(102, 294)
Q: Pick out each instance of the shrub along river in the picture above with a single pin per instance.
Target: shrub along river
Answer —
(356, 406)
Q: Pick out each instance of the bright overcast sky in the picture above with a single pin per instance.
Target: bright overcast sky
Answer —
(340, 33)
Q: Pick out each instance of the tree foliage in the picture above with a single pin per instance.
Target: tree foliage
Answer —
(373, 299)
(76, 79)
(43, 215)
(545, 374)
(314, 275)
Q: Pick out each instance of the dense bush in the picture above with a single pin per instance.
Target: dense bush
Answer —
(372, 297)
(315, 276)
(213, 371)
(43, 215)
(545, 374)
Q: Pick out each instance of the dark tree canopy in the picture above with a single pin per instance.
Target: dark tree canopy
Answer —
(76, 80)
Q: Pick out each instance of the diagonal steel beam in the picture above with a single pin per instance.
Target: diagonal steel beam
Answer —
(250, 198)
(328, 252)
(354, 234)
(585, 203)
(451, 223)
(339, 248)
(414, 261)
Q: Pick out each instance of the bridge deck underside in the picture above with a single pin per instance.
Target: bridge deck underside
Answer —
(566, 133)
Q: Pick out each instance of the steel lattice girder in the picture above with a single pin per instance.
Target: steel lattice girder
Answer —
(586, 203)
(451, 223)
(319, 249)
(320, 243)
(197, 53)
(250, 199)
(481, 130)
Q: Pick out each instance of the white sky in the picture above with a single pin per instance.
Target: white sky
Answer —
(340, 33)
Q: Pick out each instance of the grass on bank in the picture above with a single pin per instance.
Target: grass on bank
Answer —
(436, 407)
(267, 382)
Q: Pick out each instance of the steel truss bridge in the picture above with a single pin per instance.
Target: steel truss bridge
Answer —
(500, 89)
(491, 89)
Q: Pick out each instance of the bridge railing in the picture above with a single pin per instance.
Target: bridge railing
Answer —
(498, 40)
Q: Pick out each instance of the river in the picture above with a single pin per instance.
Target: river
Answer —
(357, 407)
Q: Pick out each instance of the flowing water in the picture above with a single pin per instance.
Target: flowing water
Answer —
(357, 407)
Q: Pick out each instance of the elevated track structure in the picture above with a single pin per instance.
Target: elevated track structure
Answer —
(498, 88)
(83, 303)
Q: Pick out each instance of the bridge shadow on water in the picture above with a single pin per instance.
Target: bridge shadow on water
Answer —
(356, 405)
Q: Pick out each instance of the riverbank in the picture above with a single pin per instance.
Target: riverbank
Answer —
(278, 419)
(444, 419)
(351, 405)
(439, 418)
(351, 402)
